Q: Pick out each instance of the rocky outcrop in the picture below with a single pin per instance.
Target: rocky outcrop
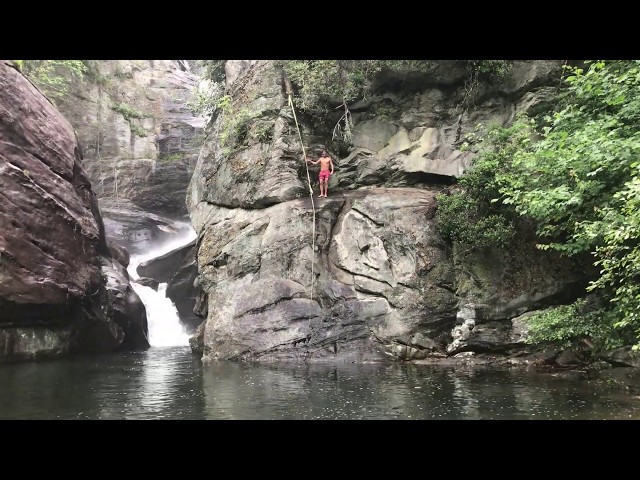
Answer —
(53, 294)
(163, 267)
(623, 356)
(178, 269)
(140, 141)
(124, 306)
(499, 289)
(148, 282)
(401, 138)
(139, 135)
(385, 285)
(382, 279)
(119, 253)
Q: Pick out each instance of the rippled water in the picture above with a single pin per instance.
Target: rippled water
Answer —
(168, 383)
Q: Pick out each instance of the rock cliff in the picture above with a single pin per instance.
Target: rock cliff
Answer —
(60, 289)
(385, 284)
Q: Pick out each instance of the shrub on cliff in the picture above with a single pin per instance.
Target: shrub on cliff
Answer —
(575, 175)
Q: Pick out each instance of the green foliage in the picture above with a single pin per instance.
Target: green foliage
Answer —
(130, 114)
(470, 223)
(127, 111)
(471, 215)
(262, 131)
(171, 157)
(224, 103)
(137, 130)
(234, 126)
(52, 76)
(209, 93)
(234, 129)
(492, 68)
(481, 72)
(237, 125)
(207, 99)
(324, 84)
(213, 70)
(574, 175)
(619, 255)
(583, 158)
(567, 324)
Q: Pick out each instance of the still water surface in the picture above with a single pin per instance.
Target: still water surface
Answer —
(169, 383)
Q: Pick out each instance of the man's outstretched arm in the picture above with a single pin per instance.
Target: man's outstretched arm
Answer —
(311, 161)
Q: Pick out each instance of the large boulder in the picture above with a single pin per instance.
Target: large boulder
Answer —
(385, 285)
(125, 307)
(382, 281)
(53, 296)
(178, 269)
(163, 267)
(266, 167)
(183, 288)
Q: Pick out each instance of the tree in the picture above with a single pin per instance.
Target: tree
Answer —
(574, 175)
(52, 76)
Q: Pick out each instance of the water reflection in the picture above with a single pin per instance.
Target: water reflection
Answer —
(158, 383)
(169, 383)
(239, 391)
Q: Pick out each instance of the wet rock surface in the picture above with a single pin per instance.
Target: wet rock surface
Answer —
(53, 296)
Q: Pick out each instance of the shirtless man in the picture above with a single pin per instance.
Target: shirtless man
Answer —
(325, 162)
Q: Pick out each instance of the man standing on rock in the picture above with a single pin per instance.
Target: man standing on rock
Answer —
(325, 162)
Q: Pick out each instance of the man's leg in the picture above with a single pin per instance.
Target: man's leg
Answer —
(326, 186)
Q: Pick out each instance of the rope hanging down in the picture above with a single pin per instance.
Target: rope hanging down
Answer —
(304, 158)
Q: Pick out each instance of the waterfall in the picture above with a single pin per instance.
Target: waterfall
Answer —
(165, 329)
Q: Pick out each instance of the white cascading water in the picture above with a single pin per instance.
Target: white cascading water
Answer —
(165, 329)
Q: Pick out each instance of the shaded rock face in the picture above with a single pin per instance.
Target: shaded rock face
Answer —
(501, 285)
(53, 296)
(140, 139)
(119, 254)
(385, 285)
(126, 308)
(148, 282)
(498, 290)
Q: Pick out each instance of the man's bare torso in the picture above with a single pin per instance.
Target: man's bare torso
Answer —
(325, 163)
